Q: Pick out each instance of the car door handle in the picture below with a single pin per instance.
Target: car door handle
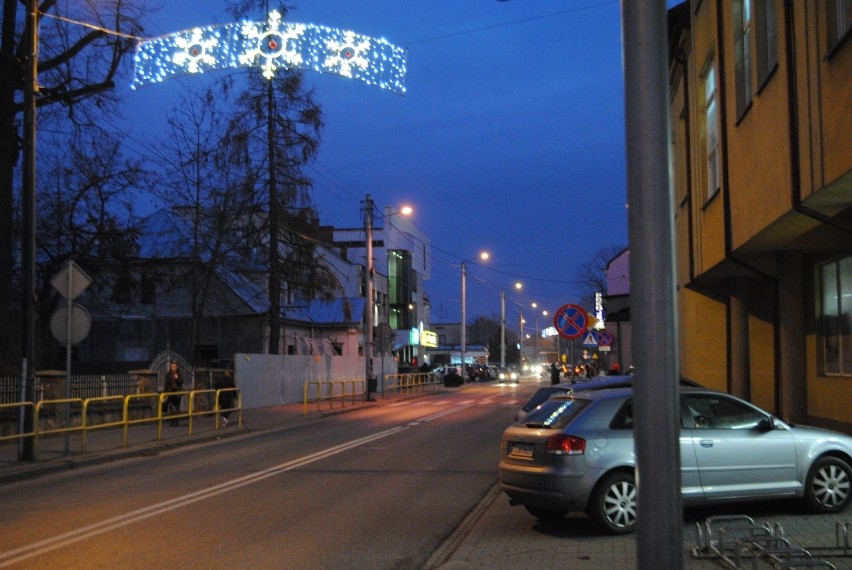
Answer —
(706, 443)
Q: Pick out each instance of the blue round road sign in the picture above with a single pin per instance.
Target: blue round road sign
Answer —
(604, 338)
(571, 321)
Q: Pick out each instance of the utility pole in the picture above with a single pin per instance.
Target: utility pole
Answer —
(463, 318)
(368, 309)
(502, 329)
(29, 238)
(520, 340)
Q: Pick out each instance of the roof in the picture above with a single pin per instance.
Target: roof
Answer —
(328, 311)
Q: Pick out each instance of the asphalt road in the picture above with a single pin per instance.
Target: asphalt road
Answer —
(378, 487)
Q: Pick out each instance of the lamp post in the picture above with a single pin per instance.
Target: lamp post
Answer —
(483, 256)
(520, 339)
(502, 329)
(370, 295)
(368, 318)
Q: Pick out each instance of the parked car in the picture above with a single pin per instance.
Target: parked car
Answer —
(597, 383)
(576, 453)
(451, 377)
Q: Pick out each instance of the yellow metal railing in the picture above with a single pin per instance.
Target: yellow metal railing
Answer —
(86, 414)
(328, 392)
(17, 435)
(407, 384)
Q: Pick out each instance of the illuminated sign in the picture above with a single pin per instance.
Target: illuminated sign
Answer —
(429, 339)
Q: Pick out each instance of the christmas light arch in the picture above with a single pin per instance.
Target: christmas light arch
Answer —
(271, 45)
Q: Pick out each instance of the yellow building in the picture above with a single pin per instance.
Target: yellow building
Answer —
(761, 134)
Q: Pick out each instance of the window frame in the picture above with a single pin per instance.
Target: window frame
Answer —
(712, 146)
(835, 335)
(838, 15)
(744, 30)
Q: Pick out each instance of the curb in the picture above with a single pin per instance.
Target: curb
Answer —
(447, 548)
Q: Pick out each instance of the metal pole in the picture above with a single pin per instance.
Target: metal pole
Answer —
(29, 239)
(521, 339)
(368, 321)
(463, 318)
(68, 323)
(659, 539)
(502, 329)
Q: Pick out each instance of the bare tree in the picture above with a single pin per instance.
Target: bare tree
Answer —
(208, 185)
(77, 69)
(593, 272)
(85, 212)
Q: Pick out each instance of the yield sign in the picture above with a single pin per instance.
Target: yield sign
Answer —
(571, 321)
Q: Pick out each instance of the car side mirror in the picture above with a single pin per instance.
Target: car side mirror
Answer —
(766, 424)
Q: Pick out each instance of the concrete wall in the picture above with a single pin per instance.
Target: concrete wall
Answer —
(272, 380)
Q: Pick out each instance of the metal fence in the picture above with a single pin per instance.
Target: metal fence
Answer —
(82, 386)
(103, 385)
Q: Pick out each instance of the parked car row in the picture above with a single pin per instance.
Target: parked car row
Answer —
(478, 373)
(574, 451)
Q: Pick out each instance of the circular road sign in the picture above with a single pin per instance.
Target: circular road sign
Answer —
(571, 321)
(81, 322)
(605, 338)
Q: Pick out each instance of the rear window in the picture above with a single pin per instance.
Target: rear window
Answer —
(555, 413)
(542, 395)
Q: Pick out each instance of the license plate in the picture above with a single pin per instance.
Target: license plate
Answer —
(521, 450)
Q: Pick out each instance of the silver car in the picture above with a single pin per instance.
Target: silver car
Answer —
(576, 453)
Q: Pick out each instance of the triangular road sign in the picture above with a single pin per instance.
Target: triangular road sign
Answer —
(589, 340)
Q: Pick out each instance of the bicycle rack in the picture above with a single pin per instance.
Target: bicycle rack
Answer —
(736, 539)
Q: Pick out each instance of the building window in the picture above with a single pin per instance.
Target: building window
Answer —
(742, 54)
(711, 129)
(839, 21)
(766, 36)
(836, 326)
(400, 288)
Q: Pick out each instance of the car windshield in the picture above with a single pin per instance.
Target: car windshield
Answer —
(555, 413)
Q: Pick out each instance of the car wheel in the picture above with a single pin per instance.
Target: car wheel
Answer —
(827, 488)
(612, 506)
(546, 515)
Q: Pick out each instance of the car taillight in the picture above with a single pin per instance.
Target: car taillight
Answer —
(561, 444)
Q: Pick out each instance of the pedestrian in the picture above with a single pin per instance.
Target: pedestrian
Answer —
(174, 383)
(554, 374)
(226, 396)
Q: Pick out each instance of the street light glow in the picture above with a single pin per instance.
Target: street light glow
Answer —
(406, 210)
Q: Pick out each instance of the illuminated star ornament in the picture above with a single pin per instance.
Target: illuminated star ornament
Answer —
(270, 46)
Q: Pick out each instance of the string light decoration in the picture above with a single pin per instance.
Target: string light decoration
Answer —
(271, 45)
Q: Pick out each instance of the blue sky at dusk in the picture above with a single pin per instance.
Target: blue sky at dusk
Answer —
(510, 137)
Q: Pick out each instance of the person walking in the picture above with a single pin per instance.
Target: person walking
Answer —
(174, 383)
(554, 374)
(226, 396)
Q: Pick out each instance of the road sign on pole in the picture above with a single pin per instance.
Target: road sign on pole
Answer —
(571, 321)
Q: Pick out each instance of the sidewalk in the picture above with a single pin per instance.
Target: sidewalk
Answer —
(106, 445)
(494, 535)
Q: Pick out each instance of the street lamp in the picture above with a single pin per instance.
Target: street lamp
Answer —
(518, 287)
(483, 256)
(369, 308)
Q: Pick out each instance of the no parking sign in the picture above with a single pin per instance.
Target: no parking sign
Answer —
(571, 321)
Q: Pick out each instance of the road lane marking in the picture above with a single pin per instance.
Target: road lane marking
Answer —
(47, 545)
(23, 553)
